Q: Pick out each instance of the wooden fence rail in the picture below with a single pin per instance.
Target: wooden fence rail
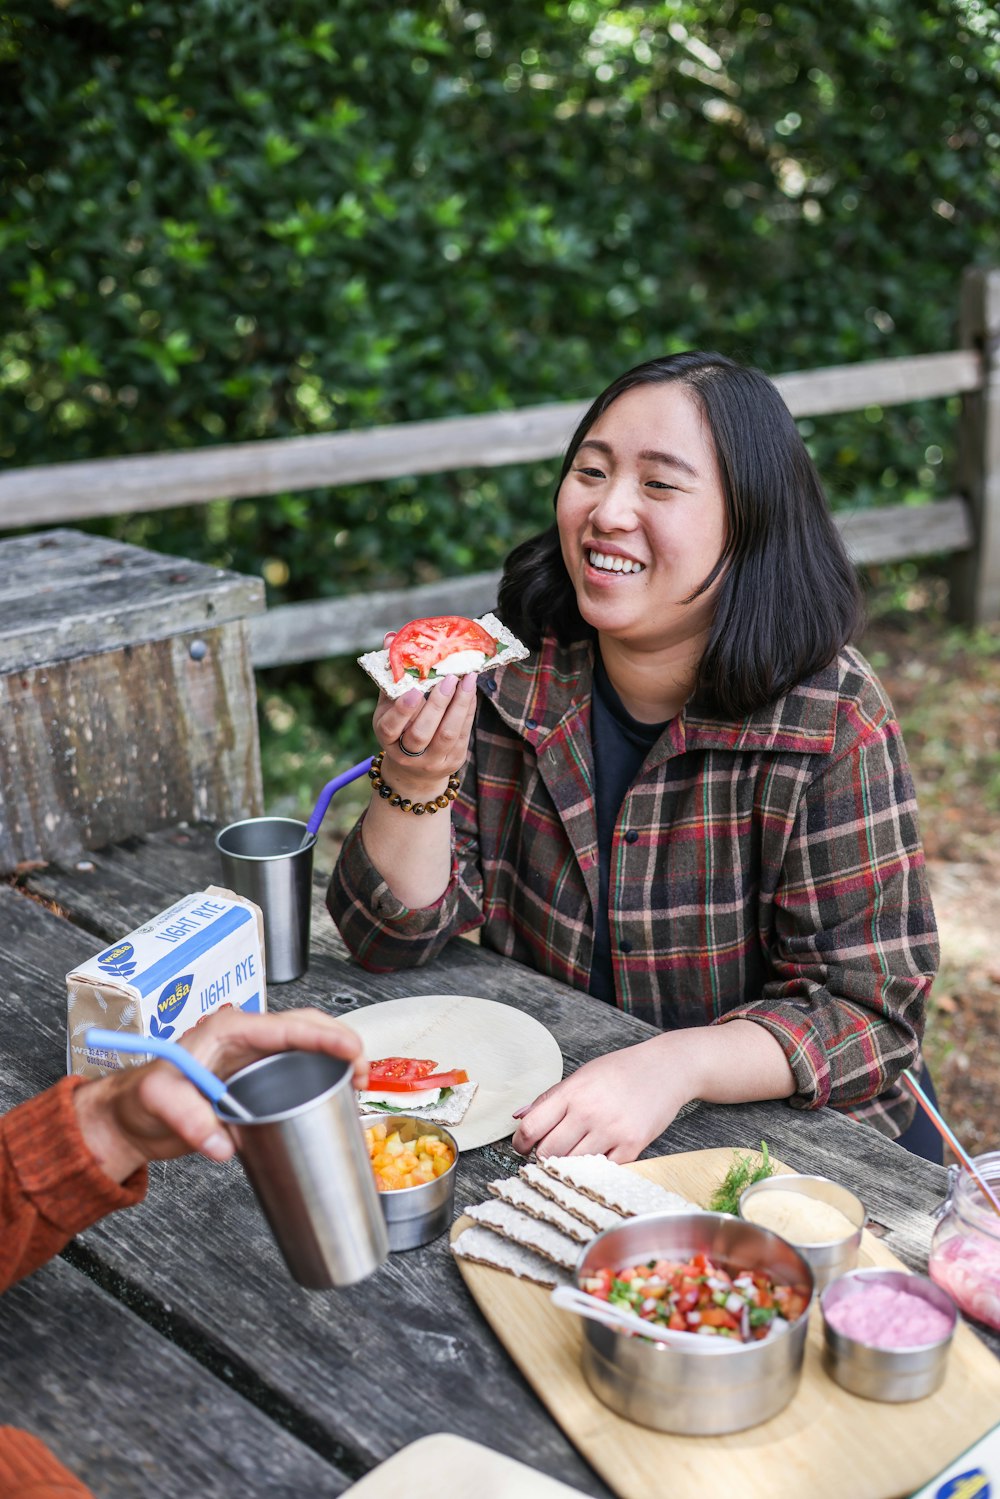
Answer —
(337, 627)
(966, 525)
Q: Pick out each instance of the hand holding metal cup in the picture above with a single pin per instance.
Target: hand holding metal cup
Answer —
(305, 1155)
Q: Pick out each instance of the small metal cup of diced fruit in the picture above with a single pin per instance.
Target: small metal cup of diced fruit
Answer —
(414, 1165)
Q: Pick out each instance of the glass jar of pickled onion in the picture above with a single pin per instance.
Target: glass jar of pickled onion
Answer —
(965, 1250)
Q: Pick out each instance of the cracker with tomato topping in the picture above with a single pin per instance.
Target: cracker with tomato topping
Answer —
(461, 645)
(413, 1086)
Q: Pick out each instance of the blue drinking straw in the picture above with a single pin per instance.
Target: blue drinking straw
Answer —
(344, 779)
(206, 1082)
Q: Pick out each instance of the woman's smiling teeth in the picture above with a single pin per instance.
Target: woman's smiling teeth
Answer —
(613, 564)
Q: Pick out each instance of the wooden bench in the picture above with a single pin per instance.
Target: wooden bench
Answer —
(127, 694)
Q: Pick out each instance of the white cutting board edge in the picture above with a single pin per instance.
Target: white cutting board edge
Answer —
(443, 1464)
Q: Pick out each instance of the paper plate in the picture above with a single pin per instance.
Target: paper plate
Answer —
(510, 1055)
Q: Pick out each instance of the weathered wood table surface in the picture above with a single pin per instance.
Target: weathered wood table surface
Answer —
(174, 1327)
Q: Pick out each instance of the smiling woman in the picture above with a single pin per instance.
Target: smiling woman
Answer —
(640, 530)
(693, 800)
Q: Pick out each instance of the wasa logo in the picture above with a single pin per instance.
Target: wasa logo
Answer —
(118, 961)
(169, 1005)
(971, 1485)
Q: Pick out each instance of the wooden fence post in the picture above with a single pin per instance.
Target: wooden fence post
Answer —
(975, 575)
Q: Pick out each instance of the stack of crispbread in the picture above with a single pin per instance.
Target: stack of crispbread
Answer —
(536, 1224)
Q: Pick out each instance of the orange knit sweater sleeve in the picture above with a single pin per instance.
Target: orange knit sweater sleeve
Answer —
(29, 1471)
(51, 1187)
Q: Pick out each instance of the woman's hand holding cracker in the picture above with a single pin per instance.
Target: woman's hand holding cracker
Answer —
(425, 736)
(425, 742)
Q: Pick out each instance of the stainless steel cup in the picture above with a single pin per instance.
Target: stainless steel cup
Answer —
(306, 1158)
(262, 860)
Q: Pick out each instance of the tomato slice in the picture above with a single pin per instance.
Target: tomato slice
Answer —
(422, 643)
(418, 1084)
(400, 1067)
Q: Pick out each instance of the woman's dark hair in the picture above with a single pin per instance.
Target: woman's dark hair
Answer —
(788, 596)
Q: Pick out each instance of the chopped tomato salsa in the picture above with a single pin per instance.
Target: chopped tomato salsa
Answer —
(698, 1296)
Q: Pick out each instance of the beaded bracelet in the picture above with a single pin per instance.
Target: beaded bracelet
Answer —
(385, 791)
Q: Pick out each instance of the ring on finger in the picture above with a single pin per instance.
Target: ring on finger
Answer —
(412, 754)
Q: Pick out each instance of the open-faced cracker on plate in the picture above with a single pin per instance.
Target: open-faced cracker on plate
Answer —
(449, 1110)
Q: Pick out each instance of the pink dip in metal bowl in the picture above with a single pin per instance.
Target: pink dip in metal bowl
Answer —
(883, 1317)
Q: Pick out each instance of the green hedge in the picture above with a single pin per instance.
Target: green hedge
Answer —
(223, 220)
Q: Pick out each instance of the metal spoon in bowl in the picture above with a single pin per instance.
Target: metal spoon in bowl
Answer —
(569, 1299)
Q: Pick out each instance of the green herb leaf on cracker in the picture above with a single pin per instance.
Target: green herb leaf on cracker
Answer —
(745, 1170)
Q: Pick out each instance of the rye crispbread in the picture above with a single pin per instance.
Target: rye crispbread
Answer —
(510, 1223)
(614, 1187)
(484, 1247)
(539, 1221)
(591, 1214)
(516, 1191)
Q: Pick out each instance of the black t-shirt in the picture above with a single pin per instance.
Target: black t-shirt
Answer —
(620, 744)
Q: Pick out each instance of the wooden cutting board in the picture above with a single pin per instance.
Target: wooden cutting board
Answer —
(445, 1464)
(826, 1443)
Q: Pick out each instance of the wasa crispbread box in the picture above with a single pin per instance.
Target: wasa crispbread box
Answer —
(204, 954)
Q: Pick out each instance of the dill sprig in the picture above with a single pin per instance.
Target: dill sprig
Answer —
(745, 1170)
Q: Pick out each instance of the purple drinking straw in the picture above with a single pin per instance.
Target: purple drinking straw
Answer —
(344, 779)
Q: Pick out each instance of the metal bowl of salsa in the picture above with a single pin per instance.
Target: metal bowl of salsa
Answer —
(696, 1390)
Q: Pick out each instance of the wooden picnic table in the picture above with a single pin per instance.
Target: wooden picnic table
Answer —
(172, 1335)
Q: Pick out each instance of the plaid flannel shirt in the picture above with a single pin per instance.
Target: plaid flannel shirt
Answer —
(768, 870)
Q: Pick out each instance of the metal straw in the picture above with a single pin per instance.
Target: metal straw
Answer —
(947, 1135)
(319, 811)
(205, 1081)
